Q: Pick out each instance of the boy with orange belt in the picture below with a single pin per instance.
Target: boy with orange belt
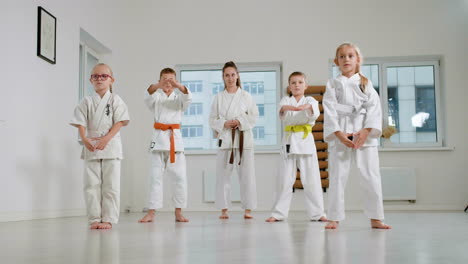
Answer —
(167, 148)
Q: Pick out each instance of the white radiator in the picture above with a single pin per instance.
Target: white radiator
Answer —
(209, 185)
(398, 183)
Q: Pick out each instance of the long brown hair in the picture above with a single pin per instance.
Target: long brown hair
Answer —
(232, 65)
(364, 80)
(110, 71)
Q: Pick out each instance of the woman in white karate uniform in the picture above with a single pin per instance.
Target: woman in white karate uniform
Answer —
(99, 118)
(298, 114)
(353, 124)
(233, 116)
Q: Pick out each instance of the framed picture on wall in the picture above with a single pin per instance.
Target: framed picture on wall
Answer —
(46, 35)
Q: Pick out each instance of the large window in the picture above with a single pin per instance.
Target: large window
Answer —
(409, 92)
(261, 80)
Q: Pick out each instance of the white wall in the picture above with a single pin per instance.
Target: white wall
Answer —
(41, 172)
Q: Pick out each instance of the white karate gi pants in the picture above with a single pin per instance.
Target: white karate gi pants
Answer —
(310, 178)
(246, 172)
(102, 190)
(160, 165)
(367, 162)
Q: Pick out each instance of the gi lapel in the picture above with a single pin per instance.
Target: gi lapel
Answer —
(231, 112)
(104, 105)
(164, 104)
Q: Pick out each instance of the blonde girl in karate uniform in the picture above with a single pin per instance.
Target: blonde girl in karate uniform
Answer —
(352, 126)
(298, 114)
(99, 119)
(232, 117)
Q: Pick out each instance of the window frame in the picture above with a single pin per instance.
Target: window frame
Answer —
(197, 128)
(410, 61)
(83, 63)
(261, 113)
(257, 132)
(197, 107)
(243, 67)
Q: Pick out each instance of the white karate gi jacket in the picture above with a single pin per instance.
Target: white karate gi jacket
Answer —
(98, 115)
(348, 109)
(167, 110)
(298, 144)
(242, 108)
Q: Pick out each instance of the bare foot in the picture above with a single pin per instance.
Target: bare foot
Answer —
(378, 224)
(332, 225)
(94, 225)
(323, 219)
(247, 214)
(105, 225)
(224, 214)
(272, 219)
(149, 217)
(179, 217)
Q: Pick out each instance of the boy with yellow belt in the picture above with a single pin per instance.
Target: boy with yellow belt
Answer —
(298, 114)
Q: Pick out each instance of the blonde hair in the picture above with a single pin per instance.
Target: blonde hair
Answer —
(364, 80)
(108, 67)
(296, 73)
(231, 64)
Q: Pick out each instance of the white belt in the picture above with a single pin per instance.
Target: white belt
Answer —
(350, 110)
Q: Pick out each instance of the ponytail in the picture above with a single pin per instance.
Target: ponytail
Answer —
(364, 82)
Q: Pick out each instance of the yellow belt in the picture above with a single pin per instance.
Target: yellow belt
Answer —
(299, 128)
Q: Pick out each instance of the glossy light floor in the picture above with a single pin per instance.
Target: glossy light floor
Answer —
(416, 237)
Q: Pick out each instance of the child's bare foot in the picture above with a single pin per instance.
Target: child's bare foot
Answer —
(332, 225)
(179, 217)
(94, 225)
(224, 214)
(378, 224)
(149, 217)
(247, 214)
(105, 225)
(272, 219)
(323, 219)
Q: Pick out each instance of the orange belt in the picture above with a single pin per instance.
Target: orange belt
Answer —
(165, 127)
